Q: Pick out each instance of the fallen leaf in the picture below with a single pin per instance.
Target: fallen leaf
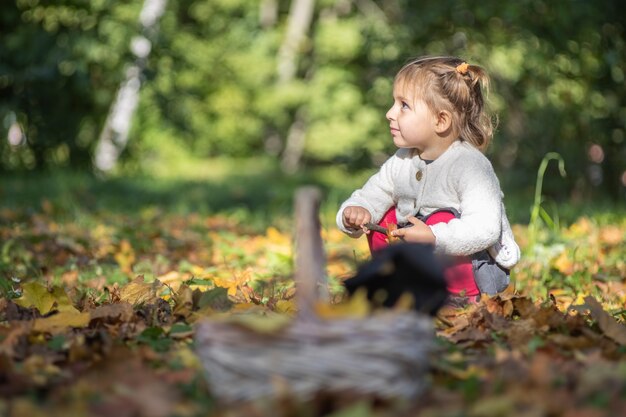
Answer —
(277, 238)
(266, 324)
(563, 263)
(61, 321)
(116, 312)
(9, 338)
(356, 306)
(139, 292)
(37, 296)
(183, 301)
(215, 299)
(286, 306)
(63, 302)
(609, 326)
(232, 284)
(611, 235)
(125, 256)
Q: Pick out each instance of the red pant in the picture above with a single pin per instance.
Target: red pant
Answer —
(459, 276)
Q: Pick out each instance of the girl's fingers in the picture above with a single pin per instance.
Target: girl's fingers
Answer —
(398, 233)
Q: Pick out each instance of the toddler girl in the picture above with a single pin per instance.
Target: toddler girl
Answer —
(439, 182)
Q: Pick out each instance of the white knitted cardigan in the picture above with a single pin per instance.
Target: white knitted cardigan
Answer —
(461, 178)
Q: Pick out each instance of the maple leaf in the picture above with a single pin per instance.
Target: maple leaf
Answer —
(37, 296)
(234, 283)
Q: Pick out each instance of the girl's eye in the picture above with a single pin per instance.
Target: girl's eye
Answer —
(404, 105)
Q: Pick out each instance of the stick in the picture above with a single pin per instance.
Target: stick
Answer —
(310, 273)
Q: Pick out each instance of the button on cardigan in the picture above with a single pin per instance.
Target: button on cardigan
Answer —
(461, 178)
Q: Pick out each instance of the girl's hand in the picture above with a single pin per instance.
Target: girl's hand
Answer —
(354, 217)
(418, 233)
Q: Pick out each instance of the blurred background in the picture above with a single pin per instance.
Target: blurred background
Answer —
(240, 98)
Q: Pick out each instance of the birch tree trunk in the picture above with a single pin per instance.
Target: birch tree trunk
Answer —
(298, 26)
(114, 135)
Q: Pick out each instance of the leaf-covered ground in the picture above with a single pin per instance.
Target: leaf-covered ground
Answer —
(97, 315)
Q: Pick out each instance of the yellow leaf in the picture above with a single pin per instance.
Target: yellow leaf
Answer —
(235, 282)
(563, 264)
(125, 257)
(139, 292)
(183, 301)
(611, 235)
(267, 324)
(277, 238)
(36, 295)
(228, 284)
(286, 306)
(63, 302)
(61, 321)
(174, 279)
(356, 307)
(582, 227)
(339, 269)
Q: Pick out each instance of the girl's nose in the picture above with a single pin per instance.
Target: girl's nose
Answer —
(390, 114)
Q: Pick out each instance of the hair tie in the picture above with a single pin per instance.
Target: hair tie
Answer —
(462, 68)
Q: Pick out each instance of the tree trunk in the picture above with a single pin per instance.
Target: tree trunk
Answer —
(298, 25)
(114, 135)
(268, 13)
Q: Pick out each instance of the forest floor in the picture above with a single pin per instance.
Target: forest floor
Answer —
(102, 285)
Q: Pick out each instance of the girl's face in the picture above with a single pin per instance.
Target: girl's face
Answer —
(411, 122)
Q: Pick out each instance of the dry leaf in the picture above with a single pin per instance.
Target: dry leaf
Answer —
(59, 322)
(183, 301)
(610, 327)
(139, 292)
(117, 312)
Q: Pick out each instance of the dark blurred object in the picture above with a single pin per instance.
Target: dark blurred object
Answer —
(402, 268)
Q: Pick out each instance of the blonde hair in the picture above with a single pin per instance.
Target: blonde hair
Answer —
(449, 83)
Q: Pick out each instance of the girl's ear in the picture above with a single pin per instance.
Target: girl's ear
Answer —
(443, 121)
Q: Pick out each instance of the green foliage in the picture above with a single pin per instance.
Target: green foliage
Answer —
(59, 67)
(211, 82)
